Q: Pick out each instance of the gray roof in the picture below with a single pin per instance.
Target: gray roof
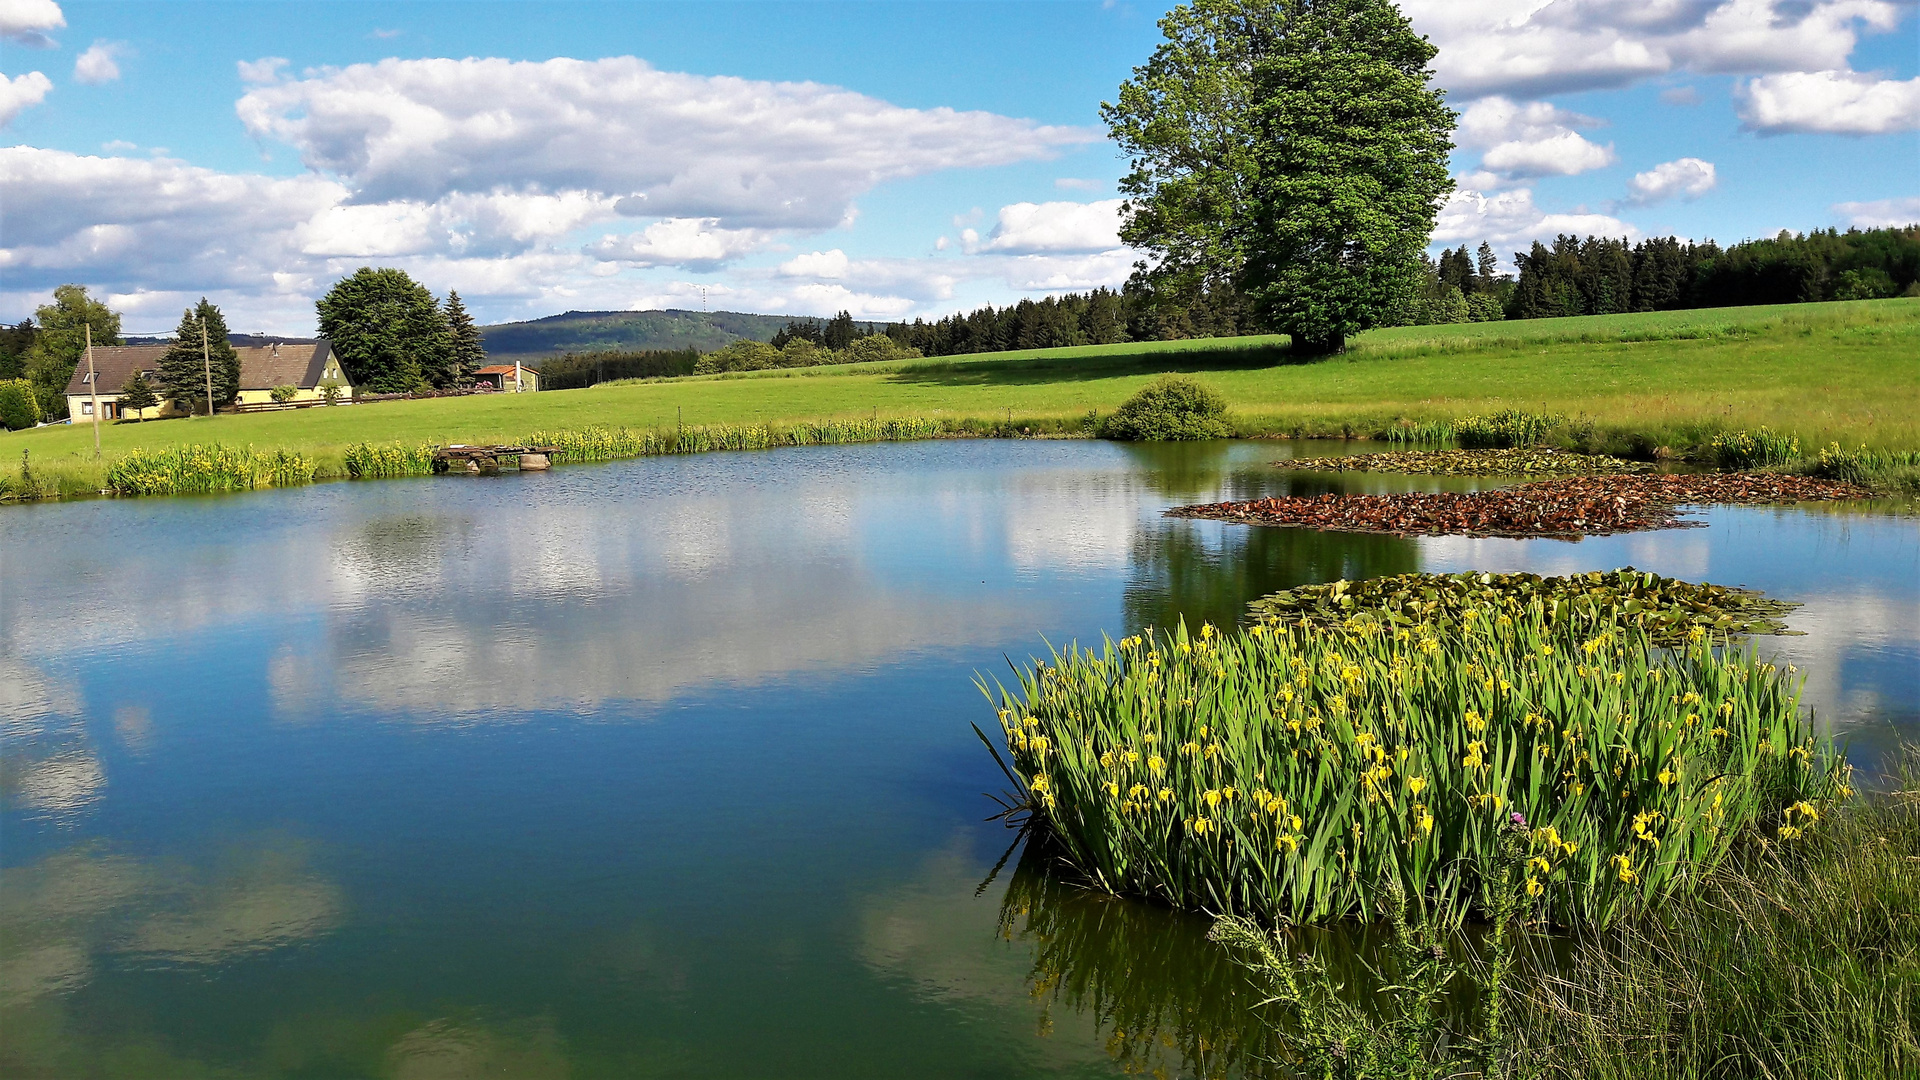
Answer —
(115, 365)
(262, 367)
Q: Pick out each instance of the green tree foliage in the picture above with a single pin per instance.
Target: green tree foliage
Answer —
(1172, 407)
(137, 394)
(575, 370)
(1352, 167)
(1600, 275)
(389, 332)
(1187, 123)
(839, 332)
(466, 354)
(739, 356)
(1101, 317)
(19, 404)
(61, 341)
(15, 342)
(184, 369)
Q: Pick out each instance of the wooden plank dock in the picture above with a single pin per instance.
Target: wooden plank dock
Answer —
(487, 458)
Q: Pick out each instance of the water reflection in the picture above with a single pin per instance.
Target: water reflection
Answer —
(66, 915)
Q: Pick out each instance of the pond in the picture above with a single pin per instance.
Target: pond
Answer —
(664, 767)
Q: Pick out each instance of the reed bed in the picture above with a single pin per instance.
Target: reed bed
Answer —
(204, 470)
(607, 444)
(1754, 449)
(1304, 774)
(365, 461)
(1503, 430)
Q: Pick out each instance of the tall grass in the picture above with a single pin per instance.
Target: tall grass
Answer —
(1417, 433)
(204, 470)
(1754, 449)
(606, 444)
(1503, 430)
(1308, 774)
(366, 460)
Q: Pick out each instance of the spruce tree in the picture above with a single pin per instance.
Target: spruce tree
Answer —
(1486, 267)
(1352, 168)
(467, 354)
(137, 394)
(184, 368)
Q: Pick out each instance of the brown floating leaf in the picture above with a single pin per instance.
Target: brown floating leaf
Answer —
(1567, 508)
(1520, 461)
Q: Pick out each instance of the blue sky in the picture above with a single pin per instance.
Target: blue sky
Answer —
(892, 159)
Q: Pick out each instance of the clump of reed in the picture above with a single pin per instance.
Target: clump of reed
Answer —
(1862, 466)
(205, 470)
(1412, 433)
(1304, 773)
(367, 461)
(1754, 449)
(1503, 430)
(607, 444)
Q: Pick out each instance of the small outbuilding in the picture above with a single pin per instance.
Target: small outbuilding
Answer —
(511, 377)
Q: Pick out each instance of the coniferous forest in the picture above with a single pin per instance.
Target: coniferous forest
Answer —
(1591, 275)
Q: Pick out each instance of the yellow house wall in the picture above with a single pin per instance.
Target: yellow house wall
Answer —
(76, 405)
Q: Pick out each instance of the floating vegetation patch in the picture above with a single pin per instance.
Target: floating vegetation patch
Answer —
(367, 461)
(1669, 610)
(204, 470)
(1567, 508)
(1508, 462)
(1307, 773)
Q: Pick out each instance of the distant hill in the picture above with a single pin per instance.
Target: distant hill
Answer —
(586, 331)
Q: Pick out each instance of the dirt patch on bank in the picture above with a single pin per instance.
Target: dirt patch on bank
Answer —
(1567, 508)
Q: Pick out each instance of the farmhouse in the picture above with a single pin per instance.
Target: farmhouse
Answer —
(509, 377)
(262, 369)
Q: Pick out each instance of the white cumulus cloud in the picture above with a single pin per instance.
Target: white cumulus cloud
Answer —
(1533, 138)
(1540, 47)
(693, 243)
(746, 152)
(21, 93)
(27, 22)
(1687, 178)
(1511, 217)
(1880, 213)
(1056, 227)
(817, 264)
(1838, 102)
(99, 64)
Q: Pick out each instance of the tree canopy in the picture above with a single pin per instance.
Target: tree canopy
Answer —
(389, 332)
(62, 339)
(1352, 168)
(467, 354)
(184, 370)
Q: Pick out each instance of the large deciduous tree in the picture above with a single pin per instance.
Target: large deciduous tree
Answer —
(190, 361)
(62, 341)
(389, 332)
(1352, 168)
(1188, 122)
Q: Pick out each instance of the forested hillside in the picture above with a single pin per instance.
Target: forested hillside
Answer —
(627, 331)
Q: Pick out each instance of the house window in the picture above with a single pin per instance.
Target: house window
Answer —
(86, 408)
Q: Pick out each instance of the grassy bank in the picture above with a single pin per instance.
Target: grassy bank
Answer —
(1822, 373)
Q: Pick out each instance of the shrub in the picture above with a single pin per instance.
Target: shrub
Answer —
(875, 347)
(1171, 408)
(1754, 449)
(739, 356)
(330, 391)
(283, 394)
(19, 408)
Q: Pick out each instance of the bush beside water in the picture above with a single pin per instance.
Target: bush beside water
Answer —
(366, 460)
(1171, 408)
(1297, 773)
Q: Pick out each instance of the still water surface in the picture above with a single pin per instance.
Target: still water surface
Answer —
(664, 768)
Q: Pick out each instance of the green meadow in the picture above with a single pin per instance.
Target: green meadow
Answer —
(1846, 372)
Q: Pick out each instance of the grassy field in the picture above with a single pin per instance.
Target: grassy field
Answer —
(1847, 372)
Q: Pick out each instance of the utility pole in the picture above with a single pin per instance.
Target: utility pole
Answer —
(206, 357)
(93, 383)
